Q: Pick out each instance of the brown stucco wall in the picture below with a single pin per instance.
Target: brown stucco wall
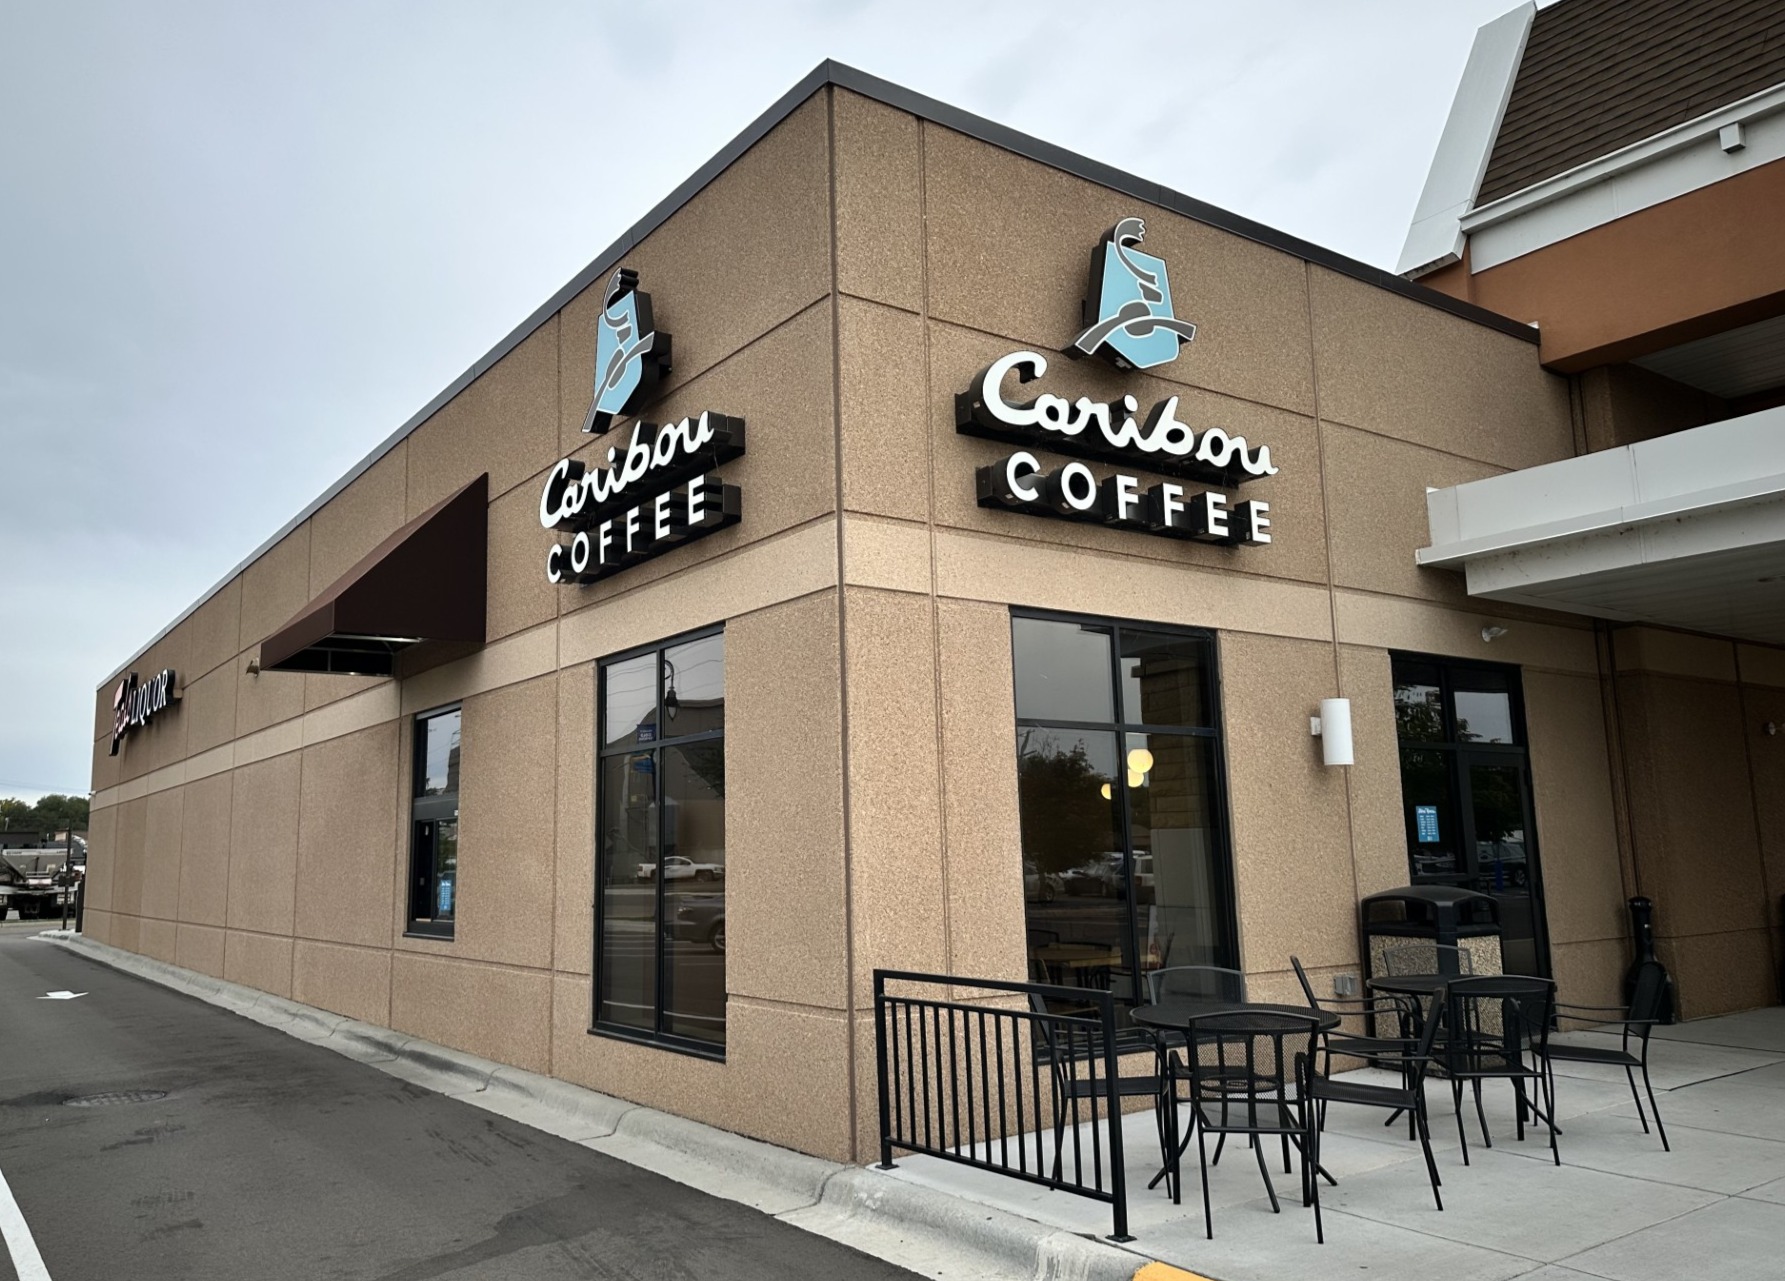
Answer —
(836, 286)
(1704, 780)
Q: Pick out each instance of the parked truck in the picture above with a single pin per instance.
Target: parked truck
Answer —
(35, 883)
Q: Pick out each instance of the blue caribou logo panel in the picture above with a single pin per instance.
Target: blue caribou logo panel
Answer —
(1128, 313)
(631, 355)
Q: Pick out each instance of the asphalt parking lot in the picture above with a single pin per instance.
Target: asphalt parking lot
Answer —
(145, 1134)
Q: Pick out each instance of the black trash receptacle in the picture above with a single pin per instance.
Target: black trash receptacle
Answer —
(1443, 914)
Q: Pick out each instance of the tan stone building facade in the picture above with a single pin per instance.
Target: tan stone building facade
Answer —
(836, 280)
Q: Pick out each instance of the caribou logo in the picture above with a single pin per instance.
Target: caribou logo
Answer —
(1128, 314)
(630, 354)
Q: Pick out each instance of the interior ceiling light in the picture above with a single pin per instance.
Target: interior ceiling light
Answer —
(1140, 760)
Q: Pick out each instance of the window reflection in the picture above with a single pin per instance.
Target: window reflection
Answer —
(693, 872)
(1419, 704)
(1432, 831)
(1177, 875)
(1072, 841)
(446, 867)
(1124, 855)
(629, 693)
(661, 807)
(1483, 716)
(439, 773)
(628, 896)
(1164, 679)
(1062, 671)
(433, 891)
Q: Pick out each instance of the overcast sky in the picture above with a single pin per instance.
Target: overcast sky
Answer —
(243, 242)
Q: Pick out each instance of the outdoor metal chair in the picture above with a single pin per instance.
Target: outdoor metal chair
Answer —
(1239, 1066)
(1070, 1086)
(1319, 1089)
(1362, 1046)
(1649, 1000)
(1498, 1029)
(1427, 958)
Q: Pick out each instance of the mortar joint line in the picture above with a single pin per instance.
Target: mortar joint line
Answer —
(850, 1032)
(1332, 596)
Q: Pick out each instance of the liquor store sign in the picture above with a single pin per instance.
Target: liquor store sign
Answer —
(659, 489)
(135, 703)
(1129, 319)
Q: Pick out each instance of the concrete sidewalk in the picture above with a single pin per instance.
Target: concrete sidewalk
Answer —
(1618, 1207)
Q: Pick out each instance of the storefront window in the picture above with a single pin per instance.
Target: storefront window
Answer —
(1125, 864)
(434, 825)
(660, 912)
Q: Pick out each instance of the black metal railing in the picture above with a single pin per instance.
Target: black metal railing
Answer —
(1026, 1087)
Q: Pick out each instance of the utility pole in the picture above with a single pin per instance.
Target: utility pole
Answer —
(66, 878)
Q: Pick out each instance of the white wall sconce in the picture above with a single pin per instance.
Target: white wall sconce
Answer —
(1491, 633)
(1333, 728)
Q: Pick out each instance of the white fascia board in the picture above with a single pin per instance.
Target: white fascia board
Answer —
(1435, 237)
(1663, 167)
(1731, 464)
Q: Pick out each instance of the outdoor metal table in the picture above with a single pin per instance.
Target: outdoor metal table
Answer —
(1427, 985)
(1171, 1014)
(1174, 1013)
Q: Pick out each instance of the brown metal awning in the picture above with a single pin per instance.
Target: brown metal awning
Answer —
(424, 583)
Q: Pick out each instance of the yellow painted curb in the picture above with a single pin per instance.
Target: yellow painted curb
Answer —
(1165, 1272)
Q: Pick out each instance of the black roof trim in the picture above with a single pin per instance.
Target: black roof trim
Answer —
(831, 72)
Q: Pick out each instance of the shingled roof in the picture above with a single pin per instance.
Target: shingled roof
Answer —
(1598, 75)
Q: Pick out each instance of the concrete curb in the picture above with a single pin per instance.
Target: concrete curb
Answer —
(903, 1222)
(914, 1227)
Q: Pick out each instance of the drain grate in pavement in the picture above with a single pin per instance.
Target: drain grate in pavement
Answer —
(114, 1096)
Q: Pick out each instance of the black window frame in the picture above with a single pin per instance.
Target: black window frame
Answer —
(1222, 825)
(658, 1038)
(423, 809)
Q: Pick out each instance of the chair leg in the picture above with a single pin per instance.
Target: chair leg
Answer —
(1548, 1082)
(1311, 1174)
(1165, 1118)
(1518, 1090)
(1486, 1138)
(1265, 1172)
(1287, 1168)
(1636, 1096)
(1202, 1154)
(1654, 1106)
(1456, 1091)
(1425, 1143)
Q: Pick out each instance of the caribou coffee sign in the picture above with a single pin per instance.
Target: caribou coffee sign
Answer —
(657, 491)
(136, 703)
(1129, 322)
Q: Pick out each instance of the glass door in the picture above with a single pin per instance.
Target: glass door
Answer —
(1498, 818)
(1466, 788)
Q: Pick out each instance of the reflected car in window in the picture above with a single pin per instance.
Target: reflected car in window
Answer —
(1100, 877)
(677, 868)
(700, 918)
